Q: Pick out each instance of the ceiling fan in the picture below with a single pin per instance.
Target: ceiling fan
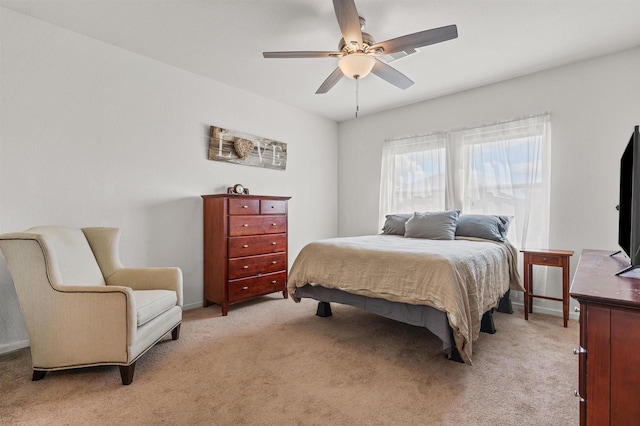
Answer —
(359, 53)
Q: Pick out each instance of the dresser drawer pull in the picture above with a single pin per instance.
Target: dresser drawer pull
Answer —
(274, 262)
(274, 282)
(273, 243)
(245, 267)
(274, 224)
(245, 246)
(579, 350)
(245, 225)
(245, 207)
(245, 288)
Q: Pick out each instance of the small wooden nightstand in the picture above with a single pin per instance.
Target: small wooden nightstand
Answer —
(546, 257)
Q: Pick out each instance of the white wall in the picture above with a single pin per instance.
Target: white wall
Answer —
(93, 135)
(594, 106)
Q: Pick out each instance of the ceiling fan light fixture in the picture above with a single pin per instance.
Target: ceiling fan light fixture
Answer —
(356, 65)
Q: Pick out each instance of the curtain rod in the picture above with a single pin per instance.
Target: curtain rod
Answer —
(459, 129)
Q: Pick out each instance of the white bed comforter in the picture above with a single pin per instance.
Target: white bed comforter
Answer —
(464, 277)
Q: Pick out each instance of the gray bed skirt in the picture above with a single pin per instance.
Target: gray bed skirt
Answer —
(420, 315)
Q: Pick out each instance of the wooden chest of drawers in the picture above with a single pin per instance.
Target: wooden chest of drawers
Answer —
(609, 352)
(245, 247)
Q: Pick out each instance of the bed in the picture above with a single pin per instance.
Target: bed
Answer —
(443, 285)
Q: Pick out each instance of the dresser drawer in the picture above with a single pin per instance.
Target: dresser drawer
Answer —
(273, 207)
(254, 265)
(250, 287)
(243, 206)
(262, 244)
(545, 259)
(256, 225)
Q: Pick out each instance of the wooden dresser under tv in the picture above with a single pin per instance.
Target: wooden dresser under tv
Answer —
(245, 247)
(609, 352)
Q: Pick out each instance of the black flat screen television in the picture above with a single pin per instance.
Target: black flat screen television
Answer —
(629, 203)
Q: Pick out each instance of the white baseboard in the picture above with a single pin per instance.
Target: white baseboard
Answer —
(192, 306)
(547, 311)
(5, 348)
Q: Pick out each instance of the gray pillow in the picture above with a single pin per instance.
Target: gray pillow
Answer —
(432, 225)
(394, 225)
(484, 226)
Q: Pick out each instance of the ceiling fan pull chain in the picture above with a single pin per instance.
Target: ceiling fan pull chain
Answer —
(357, 95)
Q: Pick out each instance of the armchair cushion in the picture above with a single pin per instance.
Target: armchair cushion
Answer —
(149, 279)
(151, 303)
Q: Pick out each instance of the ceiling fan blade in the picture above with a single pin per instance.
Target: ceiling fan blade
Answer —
(348, 20)
(391, 75)
(331, 81)
(302, 54)
(423, 38)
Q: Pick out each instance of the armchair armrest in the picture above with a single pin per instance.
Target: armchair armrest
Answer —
(91, 323)
(167, 278)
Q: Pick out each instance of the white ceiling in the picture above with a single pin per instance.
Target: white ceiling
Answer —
(224, 40)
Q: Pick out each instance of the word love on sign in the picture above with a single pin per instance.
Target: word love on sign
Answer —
(241, 148)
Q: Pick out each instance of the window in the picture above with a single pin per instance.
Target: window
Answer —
(416, 169)
(500, 168)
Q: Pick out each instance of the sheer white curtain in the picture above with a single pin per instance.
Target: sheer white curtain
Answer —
(413, 175)
(500, 168)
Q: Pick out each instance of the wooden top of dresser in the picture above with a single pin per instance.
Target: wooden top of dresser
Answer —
(595, 280)
(246, 196)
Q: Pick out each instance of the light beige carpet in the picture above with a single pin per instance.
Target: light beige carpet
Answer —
(273, 362)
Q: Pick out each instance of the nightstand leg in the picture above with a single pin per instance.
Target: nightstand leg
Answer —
(565, 290)
(527, 291)
(530, 268)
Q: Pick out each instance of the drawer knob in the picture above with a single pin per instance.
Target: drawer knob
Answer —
(245, 267)
(274, 224)
(245, 207)
(576, 309)
(273, 207)
(579, 350)
(274, 262)
(274, 282)
(245, 288)
(245, 246)
(246, 224)
(273, 243)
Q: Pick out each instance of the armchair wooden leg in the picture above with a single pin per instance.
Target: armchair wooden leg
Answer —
(126, 373)
(175, 333)
(38, 375)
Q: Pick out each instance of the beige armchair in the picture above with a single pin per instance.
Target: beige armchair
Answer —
(81, 307)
